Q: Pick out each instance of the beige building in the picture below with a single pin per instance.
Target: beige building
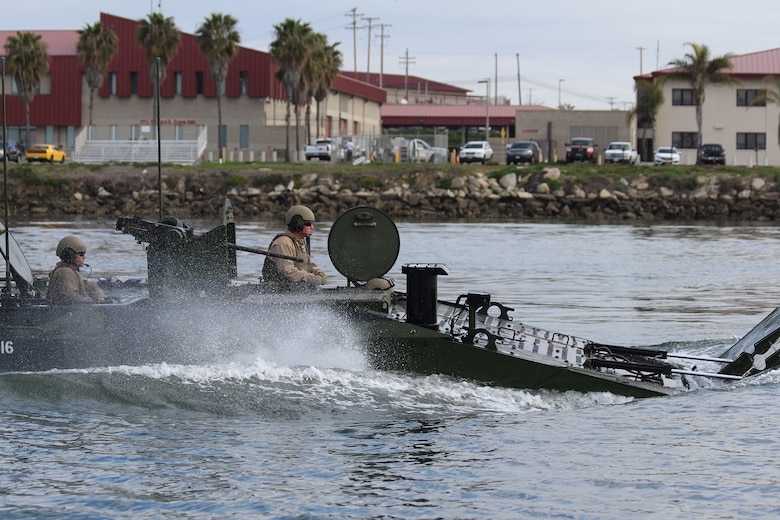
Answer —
(747, 131)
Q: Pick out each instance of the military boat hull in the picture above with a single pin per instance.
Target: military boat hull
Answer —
(194, 312)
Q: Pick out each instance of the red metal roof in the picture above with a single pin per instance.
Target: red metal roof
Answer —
(58, 43)
(754, 64)
(400, 82)
(453, 115)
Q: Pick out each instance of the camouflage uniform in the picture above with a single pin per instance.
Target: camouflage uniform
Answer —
(283, 274)
(66, 285)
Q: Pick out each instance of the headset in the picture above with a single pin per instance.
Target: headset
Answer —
(296, 224)
(68, 255)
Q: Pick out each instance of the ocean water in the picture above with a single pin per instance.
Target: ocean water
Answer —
(306, 431)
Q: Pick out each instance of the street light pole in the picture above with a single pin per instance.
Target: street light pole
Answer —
(559, 93)
(487, 106)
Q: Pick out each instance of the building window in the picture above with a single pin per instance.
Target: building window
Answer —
(177, 82)
(684, 139)
(746, 97)
(751, 141)
(682, 96)
(243, 79)
(70, 136)
(199, 82)
(112, 132)
(133, 83)
(135, 132)
(178, 133)
(243, 138)
(112, 83)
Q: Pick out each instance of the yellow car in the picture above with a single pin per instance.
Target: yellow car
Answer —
(44, 152)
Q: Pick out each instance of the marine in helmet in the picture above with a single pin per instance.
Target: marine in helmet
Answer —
(66, 285)
(282, 274)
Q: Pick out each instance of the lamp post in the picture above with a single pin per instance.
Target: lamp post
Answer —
(487, 106)
(559, 93)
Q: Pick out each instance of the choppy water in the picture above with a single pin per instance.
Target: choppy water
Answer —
(309, 432)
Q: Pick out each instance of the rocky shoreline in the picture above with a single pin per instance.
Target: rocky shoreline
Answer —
(417, 194)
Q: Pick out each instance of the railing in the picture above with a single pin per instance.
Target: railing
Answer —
(94, 151)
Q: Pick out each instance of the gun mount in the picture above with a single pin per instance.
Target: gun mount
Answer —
(181, 264)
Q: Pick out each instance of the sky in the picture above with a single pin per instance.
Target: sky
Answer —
(583, 53)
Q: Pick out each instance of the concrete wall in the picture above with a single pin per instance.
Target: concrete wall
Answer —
(603, 125)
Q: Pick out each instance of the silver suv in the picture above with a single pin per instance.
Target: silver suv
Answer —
(475, 151)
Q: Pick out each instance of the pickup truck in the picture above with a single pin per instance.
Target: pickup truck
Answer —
(321, 149)
(417, 150)
(582, 149)
(620, 152)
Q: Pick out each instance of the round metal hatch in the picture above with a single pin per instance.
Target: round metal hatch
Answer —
(363, 243)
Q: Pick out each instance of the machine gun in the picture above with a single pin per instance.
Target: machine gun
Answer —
(168, 231)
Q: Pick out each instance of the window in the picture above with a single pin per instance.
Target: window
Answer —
(177, 82)
(223, 135)
(178, 133)
(243, 79)
(243, 136)
(112, 132)
(135, 132)
(199, 82)
(746, 97)
(684, 139)
(682, 96)
(751, 141)
(112, 83)
(133, 83)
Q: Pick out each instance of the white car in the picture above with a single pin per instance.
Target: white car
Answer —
(475, 151)
(667, 155)
(620, 152)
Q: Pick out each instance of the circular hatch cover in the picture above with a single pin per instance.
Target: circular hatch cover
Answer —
(363, 243)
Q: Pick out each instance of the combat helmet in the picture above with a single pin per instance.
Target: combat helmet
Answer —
(301, 211)
(71, 242)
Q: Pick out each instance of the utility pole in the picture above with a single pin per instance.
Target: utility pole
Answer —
(641, 51)
(354, 14)
(495, 83)
(406, 60)
(368, 62)
(519, 88)
(382, 50)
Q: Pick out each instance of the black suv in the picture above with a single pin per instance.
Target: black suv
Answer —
(713, 154)
(15, 152)
(523, 151)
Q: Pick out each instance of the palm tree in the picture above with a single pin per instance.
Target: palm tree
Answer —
(649, 98)
(699, 69)
(28, 62)
(291, 49)
(218, 40)
(322, 69)
(96, 47)
(161, 38)
(771, 94)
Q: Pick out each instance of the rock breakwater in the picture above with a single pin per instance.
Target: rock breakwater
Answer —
(538, 194)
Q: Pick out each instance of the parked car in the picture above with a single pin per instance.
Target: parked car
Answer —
(15, 152)
(522, 152)
(667, 155)
(475, 151)
(45, 152)
(713, 154)
(620, 152)
(582, 149)
(321, 150)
